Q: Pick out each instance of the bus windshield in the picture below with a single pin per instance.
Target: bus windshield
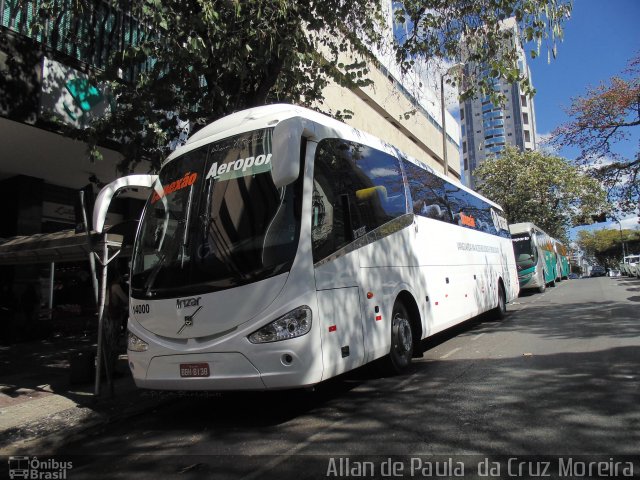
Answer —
(524, 250)
(216, 220)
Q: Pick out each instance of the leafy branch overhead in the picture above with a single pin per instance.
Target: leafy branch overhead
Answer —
(606, 117)
(180, 64)
(540, 188)
(198, 61)
(471, 31)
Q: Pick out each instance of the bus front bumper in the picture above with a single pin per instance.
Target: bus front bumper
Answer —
(226, 371)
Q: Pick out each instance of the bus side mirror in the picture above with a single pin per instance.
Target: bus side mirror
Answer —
(109, 191)
(285, 158)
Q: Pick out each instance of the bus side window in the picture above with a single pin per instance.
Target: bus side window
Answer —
(427, 193)
(356, 189)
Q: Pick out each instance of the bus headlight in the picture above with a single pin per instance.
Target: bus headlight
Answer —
(293, 324)
(135, 344)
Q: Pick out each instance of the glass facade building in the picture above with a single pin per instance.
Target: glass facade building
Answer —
(486, 128)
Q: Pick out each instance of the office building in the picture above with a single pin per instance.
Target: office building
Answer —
(487, 128)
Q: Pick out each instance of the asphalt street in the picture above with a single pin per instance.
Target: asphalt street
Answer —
(558, 376)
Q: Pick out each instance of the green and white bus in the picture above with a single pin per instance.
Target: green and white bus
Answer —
(535, 256)
(562, 260)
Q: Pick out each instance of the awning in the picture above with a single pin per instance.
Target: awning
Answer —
(64, 246)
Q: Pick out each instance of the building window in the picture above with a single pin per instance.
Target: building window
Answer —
(462, 114)
(527, 136)
(523, 100)
(466, 163)
(525, 118)
(464, 147)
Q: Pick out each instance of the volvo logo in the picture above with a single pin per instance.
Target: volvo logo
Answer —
(188, 319)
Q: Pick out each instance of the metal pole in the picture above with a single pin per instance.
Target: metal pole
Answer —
(444, 127)
(103, 292)
(2, 13)
(52, 279)
(92, 262)
(621, 240)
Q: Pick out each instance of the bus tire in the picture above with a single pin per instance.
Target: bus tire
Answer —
(401, 350)
(500, 312)
(543, 285)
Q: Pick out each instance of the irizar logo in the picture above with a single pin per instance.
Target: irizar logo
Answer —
(187, 302)
(241, 167)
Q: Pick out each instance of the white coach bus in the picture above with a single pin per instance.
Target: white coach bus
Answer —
(280, 248)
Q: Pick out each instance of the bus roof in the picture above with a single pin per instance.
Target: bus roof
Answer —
(524, 227)
(270, 115)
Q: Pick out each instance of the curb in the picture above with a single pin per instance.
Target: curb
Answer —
(48, 433)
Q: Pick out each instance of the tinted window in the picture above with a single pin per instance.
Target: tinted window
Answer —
(469, 211)
(434, 197)
(526, 254)
(216, 220)
(356, 189)
(427, 193)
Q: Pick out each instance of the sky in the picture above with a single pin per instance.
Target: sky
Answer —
(599, 40)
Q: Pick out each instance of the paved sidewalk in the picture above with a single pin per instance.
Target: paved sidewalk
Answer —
(41, 408)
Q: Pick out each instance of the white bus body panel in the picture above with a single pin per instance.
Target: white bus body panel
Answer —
(416, 259)
(221, 311)
(340, 319)
(234, 362)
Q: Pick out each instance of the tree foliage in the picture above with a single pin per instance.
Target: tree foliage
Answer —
(197, 60)
(201, 60)
(606, 245)
(540, 188)
(602, 118)
(471, 31)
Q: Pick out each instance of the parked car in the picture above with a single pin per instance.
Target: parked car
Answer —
(598, 271)
(573, 276)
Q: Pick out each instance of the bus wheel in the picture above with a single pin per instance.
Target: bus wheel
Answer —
(401, 350)
(500, 312)
(542, 286)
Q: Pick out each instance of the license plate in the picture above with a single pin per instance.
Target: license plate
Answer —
(194, 369)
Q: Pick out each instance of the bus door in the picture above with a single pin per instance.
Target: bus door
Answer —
(341, 326)
(339, 313)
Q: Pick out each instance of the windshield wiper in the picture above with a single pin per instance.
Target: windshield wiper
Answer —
(154, 273)
(185, 234)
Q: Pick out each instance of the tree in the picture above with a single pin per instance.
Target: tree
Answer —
(606, 245)
(204, 59)
(471, 31)
(540, 188)
(603, 118)
(195, 61)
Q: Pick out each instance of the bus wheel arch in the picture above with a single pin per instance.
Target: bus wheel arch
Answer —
(543, 284)
(500, 311)
(406, 334)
